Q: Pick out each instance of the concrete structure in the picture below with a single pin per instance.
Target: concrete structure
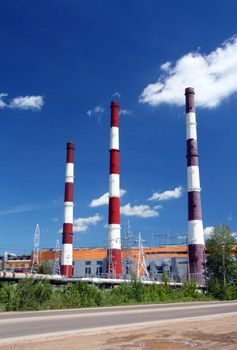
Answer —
(66, 258)
(195, 225)
(114, 234)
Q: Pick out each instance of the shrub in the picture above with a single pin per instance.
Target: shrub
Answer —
(9, 299)
(33, 294)
(156, 293)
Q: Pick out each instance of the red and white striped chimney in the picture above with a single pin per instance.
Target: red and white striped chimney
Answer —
(114, 235)
(67, 248)
(195, 225)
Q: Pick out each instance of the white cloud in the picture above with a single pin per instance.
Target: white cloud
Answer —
(97, 110)
(157, 207)
(82, 224)
(23, 102)
(104, 199)
(162, 196)
(116, 94)
(122, 192)
(208, 231)
(124, 112)
(165, 66)
(142, 211)
(2, 103)
(27, 102)
(214, 77)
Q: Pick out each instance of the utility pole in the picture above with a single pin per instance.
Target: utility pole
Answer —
(35, 258)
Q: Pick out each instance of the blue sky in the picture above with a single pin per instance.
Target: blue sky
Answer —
(61, 64)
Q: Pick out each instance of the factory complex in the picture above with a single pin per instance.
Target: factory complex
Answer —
(92, 262)
(116, 261)
(113, 264)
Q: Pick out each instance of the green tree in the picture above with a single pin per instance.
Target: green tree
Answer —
(221, 265)
(45, 268)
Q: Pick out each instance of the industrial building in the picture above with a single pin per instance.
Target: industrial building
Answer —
(92, 262)
(19, 263)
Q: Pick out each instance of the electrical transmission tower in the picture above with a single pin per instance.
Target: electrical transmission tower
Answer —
(111, 267)
(110, 264)
(35, 258)
(127, 244)
(142, 272)
(56, 266)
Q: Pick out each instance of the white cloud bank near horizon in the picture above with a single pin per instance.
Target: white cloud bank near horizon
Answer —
(34, 103)
(166, 195)
(104, 199)
(213, 76)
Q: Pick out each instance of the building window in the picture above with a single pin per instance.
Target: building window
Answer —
(88, 270)
(99, 271)
(88, 263)
(99, 262)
